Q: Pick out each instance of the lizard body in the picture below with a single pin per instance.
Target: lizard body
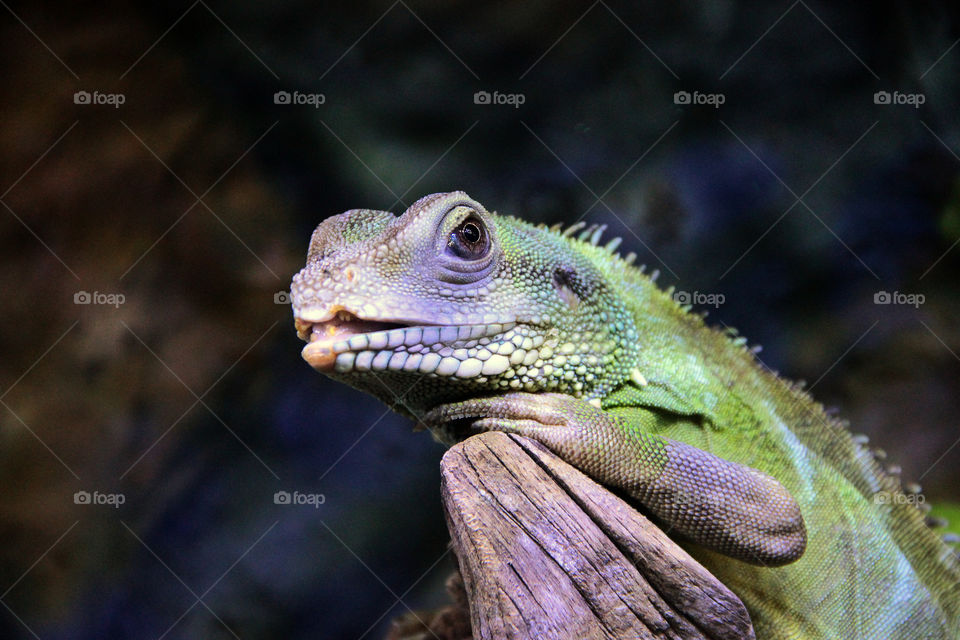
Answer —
(469, 320)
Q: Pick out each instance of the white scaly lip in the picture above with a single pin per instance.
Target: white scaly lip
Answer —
(336, 331)
(314, 324)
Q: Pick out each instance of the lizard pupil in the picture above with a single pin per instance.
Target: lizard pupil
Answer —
(471, 233)
(469, 241)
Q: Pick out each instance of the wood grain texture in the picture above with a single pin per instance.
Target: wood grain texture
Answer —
(545, 552)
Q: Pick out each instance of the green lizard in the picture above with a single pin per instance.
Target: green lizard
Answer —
(468, 320)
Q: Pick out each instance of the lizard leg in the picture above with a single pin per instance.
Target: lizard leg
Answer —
(730, 508)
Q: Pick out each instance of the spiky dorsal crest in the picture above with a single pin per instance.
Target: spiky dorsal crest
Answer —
(881, 476)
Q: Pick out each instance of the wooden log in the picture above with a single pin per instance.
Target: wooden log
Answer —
(546, 552)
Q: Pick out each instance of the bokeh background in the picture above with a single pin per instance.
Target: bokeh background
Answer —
(784, 164)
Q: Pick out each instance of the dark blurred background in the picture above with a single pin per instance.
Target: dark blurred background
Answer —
(791, 167)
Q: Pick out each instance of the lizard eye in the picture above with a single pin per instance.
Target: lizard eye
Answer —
(469, 241)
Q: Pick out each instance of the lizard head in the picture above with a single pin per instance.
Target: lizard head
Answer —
(449, 301)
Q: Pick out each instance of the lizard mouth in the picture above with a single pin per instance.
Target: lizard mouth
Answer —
(326, 339)
(342, 342)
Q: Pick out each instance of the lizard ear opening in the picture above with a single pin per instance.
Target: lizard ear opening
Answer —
(563, 280)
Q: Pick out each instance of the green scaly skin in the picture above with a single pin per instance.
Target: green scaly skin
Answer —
(466, 320)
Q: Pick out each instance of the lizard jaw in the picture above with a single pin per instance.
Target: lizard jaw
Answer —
(340, 342)
(324, 337)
